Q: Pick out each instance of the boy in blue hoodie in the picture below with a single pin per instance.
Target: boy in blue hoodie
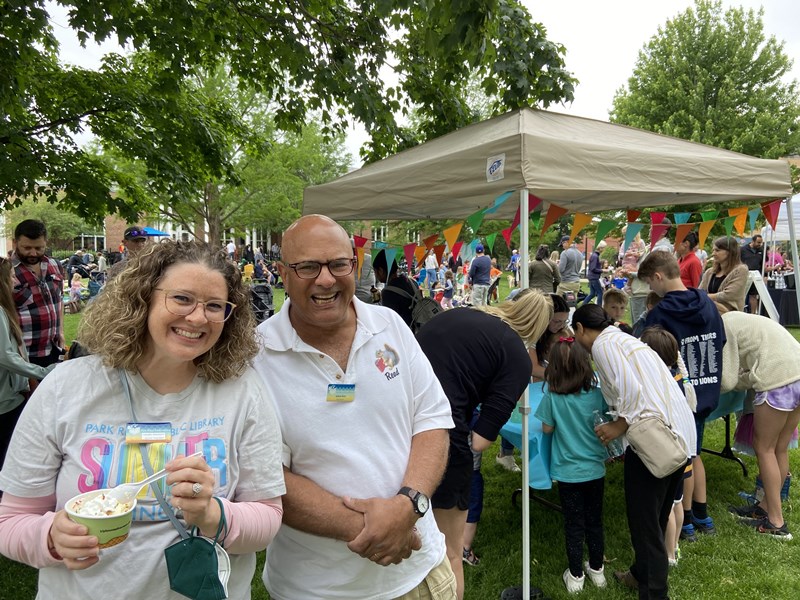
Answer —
(692, 317)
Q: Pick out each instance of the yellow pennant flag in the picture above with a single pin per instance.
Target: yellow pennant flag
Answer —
(741, 218)
(581, 221)
(705, 228)
(451, 235)
(360, 256)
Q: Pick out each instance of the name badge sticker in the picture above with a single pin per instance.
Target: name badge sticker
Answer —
(146, 433)
(341, 392)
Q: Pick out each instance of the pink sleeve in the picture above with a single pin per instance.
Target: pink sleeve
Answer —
(24, 526)
(251, 525)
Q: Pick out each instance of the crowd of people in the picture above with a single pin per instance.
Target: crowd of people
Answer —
(344, 434)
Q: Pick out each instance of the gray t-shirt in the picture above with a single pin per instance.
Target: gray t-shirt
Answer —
(569, 265)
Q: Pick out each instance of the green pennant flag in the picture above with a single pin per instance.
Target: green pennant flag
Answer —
(474, 220)
(729, 224)
(536, 218)
(709, 215)
(603, 228)
(490, 241)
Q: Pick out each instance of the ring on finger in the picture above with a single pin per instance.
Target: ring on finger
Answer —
(196, 489)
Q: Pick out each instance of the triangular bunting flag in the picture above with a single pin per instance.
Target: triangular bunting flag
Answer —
(498, 202)
(657, 217)
(603, 228)
(705, 228)
(709, 215)
(656, 233)
(581, 221)
(681, 218)
(536, 218)
(507, 236)
(438, 250)
(514, 222)
(375, 250)
(429, 241)
(490, 242)
(359, 258)
(728, 223)
(390, 256)
(633, 215)
(419, 254)
(474, 220)
(457, 249)
(631, 232)
(533, 202)
(681, 231)
(408, 251)
(451, 235)
(771, 210)
(741, 218)
(359, 241)
(753, 215)
(553, 214)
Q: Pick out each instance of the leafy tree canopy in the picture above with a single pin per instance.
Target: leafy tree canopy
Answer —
(324, 57)
(62, 226)
(715, 77)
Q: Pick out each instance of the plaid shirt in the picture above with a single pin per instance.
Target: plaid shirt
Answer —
(38, 297)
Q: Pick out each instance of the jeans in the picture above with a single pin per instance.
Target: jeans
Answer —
(595, 291)
(582, 504)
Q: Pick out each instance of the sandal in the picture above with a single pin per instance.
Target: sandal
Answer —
(468, 556)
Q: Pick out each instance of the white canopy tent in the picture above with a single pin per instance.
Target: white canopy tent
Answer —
(579, 164)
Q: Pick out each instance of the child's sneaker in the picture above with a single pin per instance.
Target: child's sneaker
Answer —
(508, 463)
(688, 534)
(750, 511)
(574, 584)
(778, 533)
(704, 526)
(598, 577)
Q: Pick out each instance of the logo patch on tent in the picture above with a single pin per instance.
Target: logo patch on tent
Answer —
(495, 167)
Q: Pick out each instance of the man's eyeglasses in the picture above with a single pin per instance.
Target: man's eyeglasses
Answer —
(183, 303)
(338, 267)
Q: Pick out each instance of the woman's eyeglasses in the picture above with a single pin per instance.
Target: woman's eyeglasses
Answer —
(181, 303)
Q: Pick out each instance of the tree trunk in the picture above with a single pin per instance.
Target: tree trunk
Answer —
(213, 214)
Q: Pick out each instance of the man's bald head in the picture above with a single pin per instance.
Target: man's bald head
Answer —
(304, 227)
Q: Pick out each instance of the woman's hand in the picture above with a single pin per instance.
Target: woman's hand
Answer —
(611, 431)
(192, 484)
(70, 541)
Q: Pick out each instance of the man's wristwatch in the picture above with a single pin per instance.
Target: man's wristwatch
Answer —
(420, 501)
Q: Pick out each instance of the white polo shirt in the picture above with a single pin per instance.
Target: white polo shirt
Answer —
(358, 448)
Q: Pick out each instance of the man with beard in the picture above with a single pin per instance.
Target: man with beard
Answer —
(38, 287)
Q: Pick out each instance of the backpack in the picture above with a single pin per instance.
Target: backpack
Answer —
(423, 308)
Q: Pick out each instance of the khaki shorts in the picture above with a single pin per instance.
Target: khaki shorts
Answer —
(440, 584)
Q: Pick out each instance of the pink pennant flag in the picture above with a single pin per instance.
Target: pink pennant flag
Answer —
(359, 241)
(657, 217)
(507, 235)
(408, 251)
(457, 249)
(771, 210)
(656, 233)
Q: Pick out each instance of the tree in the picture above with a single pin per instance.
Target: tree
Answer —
(62, 226)
(715, 78)
(307, 58)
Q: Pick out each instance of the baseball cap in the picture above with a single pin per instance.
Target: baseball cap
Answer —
(132, 233)
(564, 238)
(479, 248)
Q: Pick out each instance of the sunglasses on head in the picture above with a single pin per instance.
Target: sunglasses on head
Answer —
(136, 234)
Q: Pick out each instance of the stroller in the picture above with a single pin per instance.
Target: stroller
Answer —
(261, 300)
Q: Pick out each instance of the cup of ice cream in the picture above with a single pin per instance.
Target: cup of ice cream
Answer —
(105, 518)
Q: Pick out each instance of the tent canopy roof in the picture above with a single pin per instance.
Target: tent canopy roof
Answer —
(580, 164)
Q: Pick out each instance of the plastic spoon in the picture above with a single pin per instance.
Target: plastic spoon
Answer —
(126, 492)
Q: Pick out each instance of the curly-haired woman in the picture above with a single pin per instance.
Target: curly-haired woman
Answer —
(172, 339)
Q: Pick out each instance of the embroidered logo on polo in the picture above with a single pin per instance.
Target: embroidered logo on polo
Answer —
(386, 361)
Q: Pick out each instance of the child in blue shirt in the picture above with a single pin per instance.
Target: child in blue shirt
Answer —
(577, 460)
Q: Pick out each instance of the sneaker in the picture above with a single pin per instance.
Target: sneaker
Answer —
(704, 526)
(750, 511)
(508, 463)
(574, 584)
(598, 577)
(778, 533)
(688, 534)
(468, 556)
(673, 562)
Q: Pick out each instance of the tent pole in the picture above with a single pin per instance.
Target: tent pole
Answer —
(525, 410)
(793, 240)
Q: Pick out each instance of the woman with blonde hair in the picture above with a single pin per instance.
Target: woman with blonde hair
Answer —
(172, 342)
(484, 363)
(15, 370)
(726, 280)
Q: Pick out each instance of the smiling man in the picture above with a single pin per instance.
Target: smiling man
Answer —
(364, 424)
(38, 288)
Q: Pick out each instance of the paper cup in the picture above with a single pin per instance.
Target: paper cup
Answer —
(111, 529)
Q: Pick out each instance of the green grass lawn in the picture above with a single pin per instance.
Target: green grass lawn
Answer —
(736, 564)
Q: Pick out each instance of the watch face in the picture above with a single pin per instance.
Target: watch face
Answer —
(423, 503)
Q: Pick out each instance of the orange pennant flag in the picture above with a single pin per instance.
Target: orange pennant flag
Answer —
(360, 257)
(553, 214)
(741, 218)
(430, 241)
(438, 250)
(451, 235)
(581, 221)
(705, 228)
(681, 232)
(419, 253)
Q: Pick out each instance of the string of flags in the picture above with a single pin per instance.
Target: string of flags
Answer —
(737, 218)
